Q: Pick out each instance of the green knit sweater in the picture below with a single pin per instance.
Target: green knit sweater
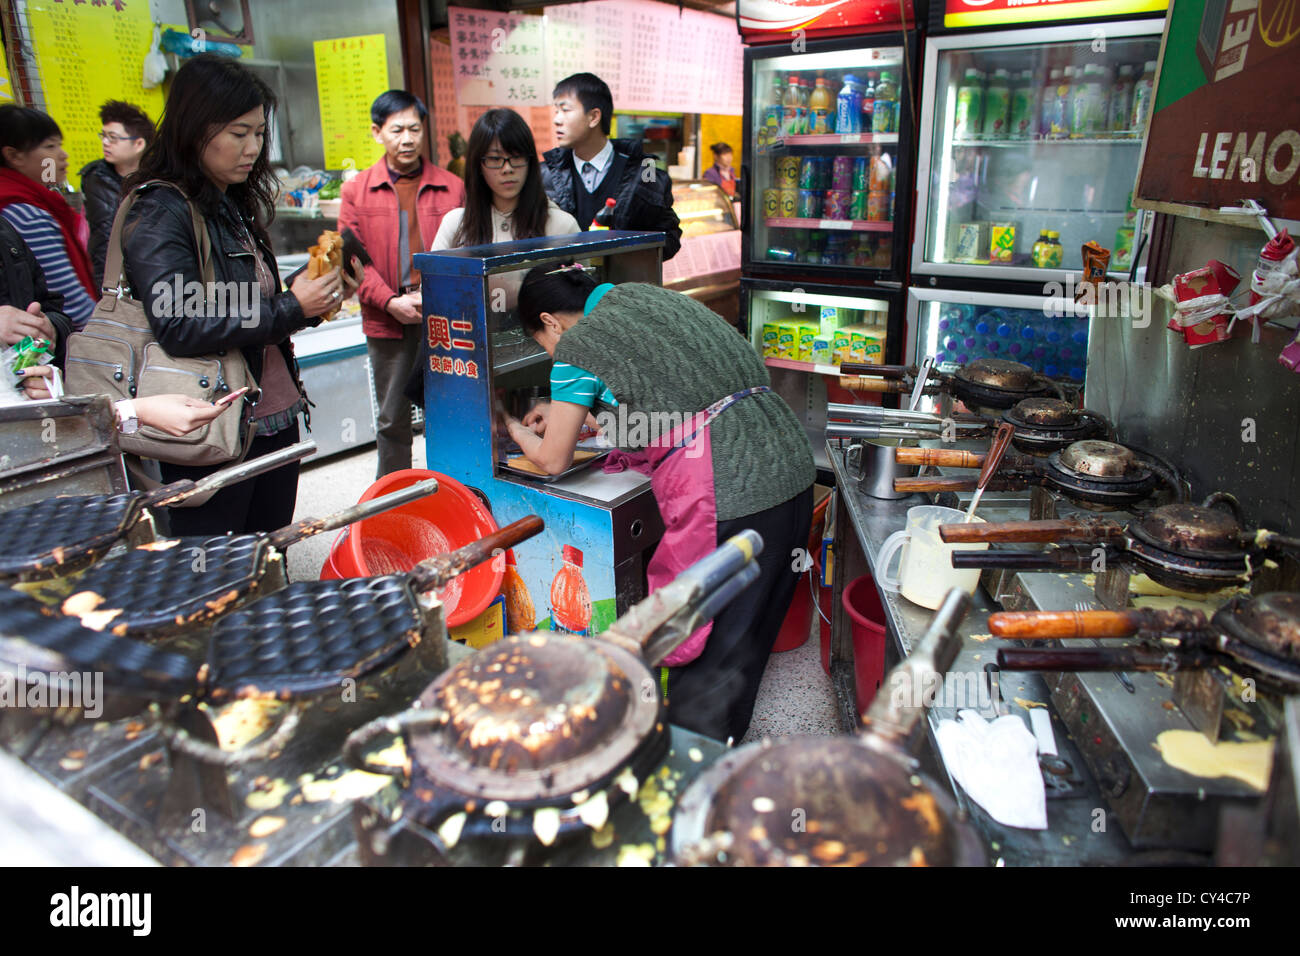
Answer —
(663, 352)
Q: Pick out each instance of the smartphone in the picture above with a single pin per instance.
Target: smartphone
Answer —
(227, 399)
(352, 246)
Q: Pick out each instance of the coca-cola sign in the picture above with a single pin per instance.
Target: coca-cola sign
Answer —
(985, 13)
(764, 21)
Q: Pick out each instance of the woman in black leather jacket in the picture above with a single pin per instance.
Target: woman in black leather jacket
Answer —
(211, 145)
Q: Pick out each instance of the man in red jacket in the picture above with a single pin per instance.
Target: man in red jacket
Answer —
(395, 208)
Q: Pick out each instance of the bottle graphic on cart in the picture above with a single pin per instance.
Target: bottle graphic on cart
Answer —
(521, 616)
(570, 598)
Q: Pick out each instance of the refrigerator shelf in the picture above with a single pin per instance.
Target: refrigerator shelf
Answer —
(827, 139)
(797, 366)
(1044, 141)
(854, 225)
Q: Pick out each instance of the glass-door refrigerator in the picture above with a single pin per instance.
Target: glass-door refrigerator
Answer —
(1028, 148)
(828, 149)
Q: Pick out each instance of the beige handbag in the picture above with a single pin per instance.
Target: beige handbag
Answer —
(117, 354)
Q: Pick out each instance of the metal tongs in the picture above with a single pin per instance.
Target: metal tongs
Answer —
(899, 423)
(673, 612)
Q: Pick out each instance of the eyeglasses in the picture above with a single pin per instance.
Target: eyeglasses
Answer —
(114, 138)
(496, 162)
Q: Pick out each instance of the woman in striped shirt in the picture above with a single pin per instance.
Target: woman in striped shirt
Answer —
(32, 165)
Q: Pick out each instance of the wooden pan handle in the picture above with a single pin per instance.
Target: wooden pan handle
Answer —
(1049, 625)
(1021, 532)
(877, 371)
(940, 457)
(911, 485)
(1085, 659)
(860, 383)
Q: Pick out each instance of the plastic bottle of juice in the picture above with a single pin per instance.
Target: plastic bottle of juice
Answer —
(997, 106)
(970, 105)
(1055, 251)
(790, 107)
(846, 116)
(772, 112)
(805, 94)
(868, 111)
(520, 614)
(1088, 103)
(570, 599)
(1049, 102)
(1121, 101)
(1143, 90)
(1039, 253)
(822, 105)
(884, 110)
(1020, 124)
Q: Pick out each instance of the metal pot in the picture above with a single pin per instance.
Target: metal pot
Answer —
(875, 462)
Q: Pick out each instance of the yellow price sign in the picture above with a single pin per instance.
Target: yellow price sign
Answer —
(350, 73)
(87, 54)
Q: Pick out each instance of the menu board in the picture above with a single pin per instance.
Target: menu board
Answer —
(499, 58)
(6, 88)
(652, 55)
(87, 54)
(655, 56)
(350, 73)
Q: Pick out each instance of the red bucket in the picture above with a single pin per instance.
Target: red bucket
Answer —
(861, 603)
(797, 624)
(397, 540)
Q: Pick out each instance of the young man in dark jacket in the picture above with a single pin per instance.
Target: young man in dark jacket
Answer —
(125, 134)
(588, 167)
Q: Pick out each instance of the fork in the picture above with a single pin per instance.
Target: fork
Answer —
(1122, 677)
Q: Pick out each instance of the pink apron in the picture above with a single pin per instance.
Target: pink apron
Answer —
(681, 475)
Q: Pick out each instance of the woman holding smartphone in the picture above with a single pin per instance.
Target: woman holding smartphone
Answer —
(211, 147)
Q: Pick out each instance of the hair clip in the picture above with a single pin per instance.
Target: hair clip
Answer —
(571, 267)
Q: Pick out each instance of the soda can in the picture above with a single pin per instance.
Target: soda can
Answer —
(809, 173)
(836, 205)
(861, 174)
(842, 174)
(877, 205)
(810, 204)
(787, 172)
(858, 204)
(789, 203)
(771, 203)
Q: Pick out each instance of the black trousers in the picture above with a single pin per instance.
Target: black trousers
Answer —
(392, 363)
(262, 503)
(714, 694)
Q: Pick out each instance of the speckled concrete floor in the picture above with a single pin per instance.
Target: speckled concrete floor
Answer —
(795, 697)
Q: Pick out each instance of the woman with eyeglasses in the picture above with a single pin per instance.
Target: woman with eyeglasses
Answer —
(33, 165)
(504, 198)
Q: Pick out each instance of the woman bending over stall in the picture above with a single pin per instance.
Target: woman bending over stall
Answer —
(724, 452)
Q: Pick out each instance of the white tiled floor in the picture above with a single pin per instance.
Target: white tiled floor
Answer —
(795, 697)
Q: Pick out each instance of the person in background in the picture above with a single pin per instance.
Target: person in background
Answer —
(32, 165)
(739, 460)
(211, 145)
(587, 167)
(721, 173)
(504, 198)
(125, 134)
(395, 208)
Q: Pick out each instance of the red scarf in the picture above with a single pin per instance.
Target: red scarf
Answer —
(17, 188)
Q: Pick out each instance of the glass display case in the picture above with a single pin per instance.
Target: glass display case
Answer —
(702, 208)
(1049, 334)
(1030, 141)
(827, 133)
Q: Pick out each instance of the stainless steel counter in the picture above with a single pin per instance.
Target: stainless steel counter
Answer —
(1079, 829)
